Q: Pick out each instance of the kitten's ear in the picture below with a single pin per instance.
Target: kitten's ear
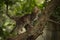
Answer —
(35, 10)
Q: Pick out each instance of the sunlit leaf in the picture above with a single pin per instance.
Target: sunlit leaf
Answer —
(39, 2)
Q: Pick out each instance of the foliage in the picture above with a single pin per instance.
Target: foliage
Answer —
(56, 14)
(15, 8)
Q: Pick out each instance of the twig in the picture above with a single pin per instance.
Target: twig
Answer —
(53, 21)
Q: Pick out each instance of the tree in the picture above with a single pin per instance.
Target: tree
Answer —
(31, 32)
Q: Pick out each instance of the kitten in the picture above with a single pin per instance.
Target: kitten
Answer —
(26, 19)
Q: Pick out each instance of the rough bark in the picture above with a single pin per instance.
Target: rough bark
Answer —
(37, 30)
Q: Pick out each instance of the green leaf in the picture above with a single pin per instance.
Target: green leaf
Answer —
(39, 2)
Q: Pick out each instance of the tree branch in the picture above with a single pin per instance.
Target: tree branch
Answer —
(53, 21)
(6, 2)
